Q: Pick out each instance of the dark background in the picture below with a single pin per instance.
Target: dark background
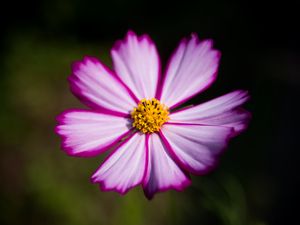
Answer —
(257, 180)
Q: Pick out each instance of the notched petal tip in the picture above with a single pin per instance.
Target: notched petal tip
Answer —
(75, 65)
(208, 42)
(102, 186)
(194, 37)
(60, 118)
(119, 43)
(150, 194)
(131, 35)
(240, 94)
(244, 123)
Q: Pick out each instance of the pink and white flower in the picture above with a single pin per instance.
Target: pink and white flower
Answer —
(133, 109)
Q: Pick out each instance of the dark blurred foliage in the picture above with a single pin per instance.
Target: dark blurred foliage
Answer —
(257, 180)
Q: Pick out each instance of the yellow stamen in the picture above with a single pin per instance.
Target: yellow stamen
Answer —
(149, 115)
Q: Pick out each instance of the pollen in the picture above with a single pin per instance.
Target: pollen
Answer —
(149, 115)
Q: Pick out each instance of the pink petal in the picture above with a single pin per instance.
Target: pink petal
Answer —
(98, 87)
(163, 173)
(88, 133)
(196, 147)
(137, 63)
(191, 69)
(222, 111)
(125, 167)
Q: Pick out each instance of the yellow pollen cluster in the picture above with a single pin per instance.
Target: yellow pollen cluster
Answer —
(149, 115)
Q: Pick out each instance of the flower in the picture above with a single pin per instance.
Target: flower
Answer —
(134, 109)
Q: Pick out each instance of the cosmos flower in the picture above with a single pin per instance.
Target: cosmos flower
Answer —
(134, 111)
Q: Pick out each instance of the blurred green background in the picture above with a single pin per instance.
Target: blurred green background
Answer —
(257, 180)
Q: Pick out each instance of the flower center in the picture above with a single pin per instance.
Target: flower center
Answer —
(149, 115)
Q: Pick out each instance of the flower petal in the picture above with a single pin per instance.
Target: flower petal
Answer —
(191, 69)
(136, 62)
(195, 147)
(97, 87)
(125, 167)
(162, 173)
(88, 133)
(221, 111)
